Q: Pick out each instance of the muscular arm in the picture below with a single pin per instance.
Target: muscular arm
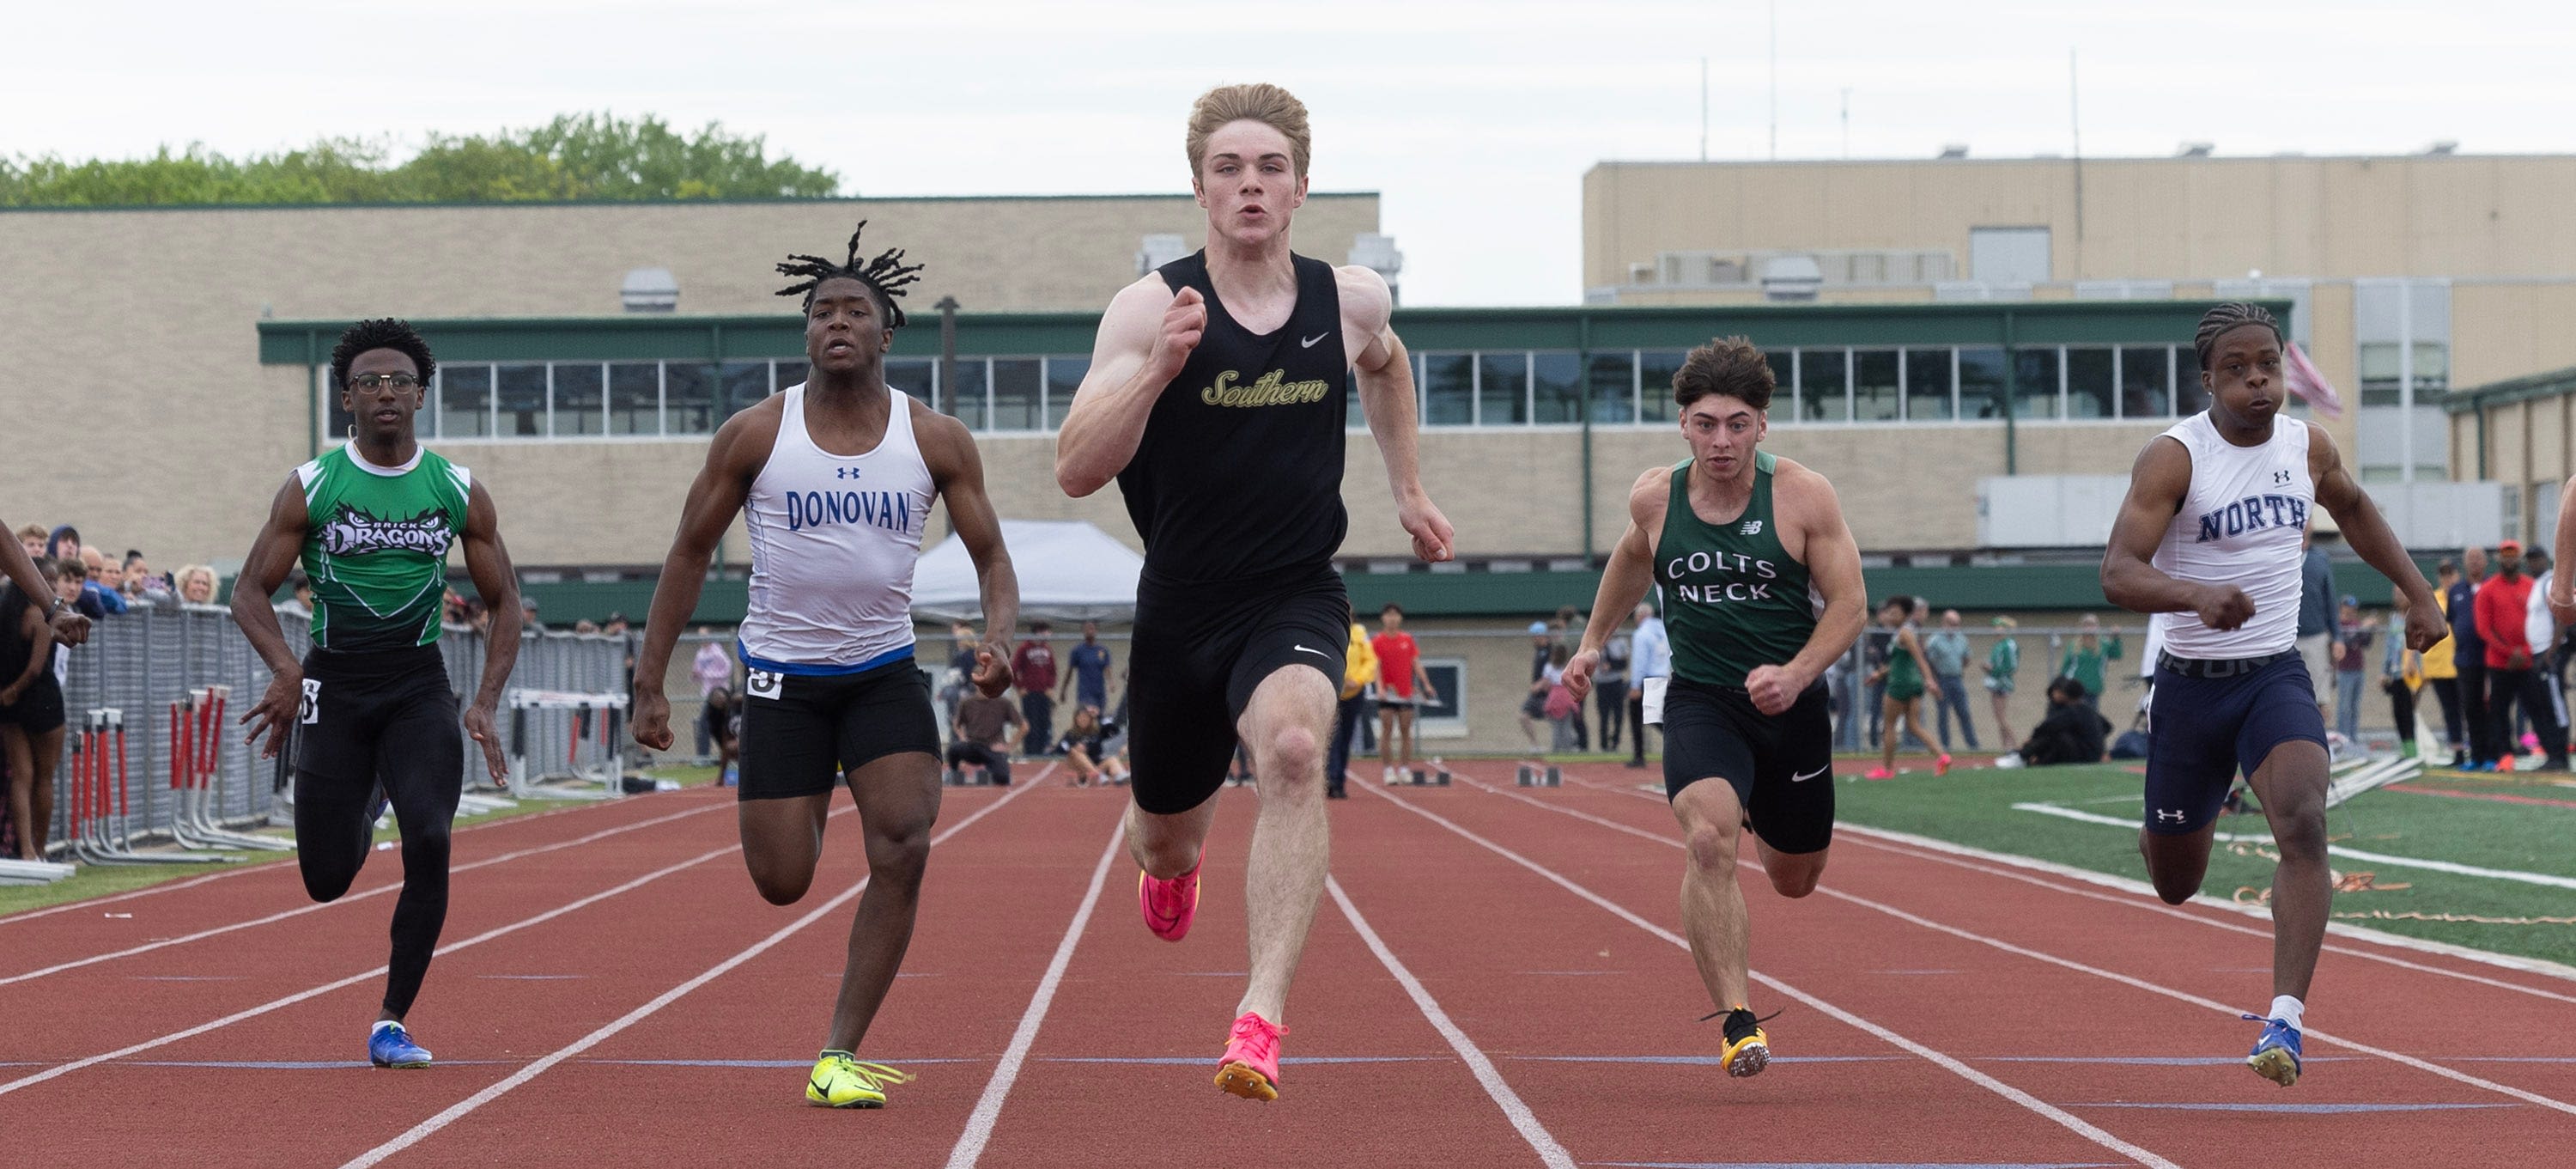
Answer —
(272, 553)
(2368, 533)
(488, 562)
(2157, 485)
(1144, 338)
(958, 471)
(741, 445)
(1809, 506)
(1624, 579)
(1385, 375)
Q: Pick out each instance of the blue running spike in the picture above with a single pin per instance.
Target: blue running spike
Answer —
(2276, 1052)
(389, 1046)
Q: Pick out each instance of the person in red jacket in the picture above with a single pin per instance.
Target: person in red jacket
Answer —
(2502, 602)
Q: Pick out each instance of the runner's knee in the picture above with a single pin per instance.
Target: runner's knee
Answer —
(1292, 753)
(1712, 850)
(1795, 880)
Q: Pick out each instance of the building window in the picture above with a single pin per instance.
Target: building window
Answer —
(1981, 383)
(464, 401)
(1655, 371)
(635, 397)
(1824, 385)
(1064, 376)
(745, 382)
(1448, 386)
(1502, 389)
(1015, 393)
(2146, 382)
(2088, 382)
(1556, 388)
(521, 401)
(689, 401)
(581, 399)
(2190, 397)
(2038, 382)
(968, 402)
(1928, 385)
(915, 377)
(1612, 378)
(1878, 387)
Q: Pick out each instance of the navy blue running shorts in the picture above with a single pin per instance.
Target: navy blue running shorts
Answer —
(2204, 730)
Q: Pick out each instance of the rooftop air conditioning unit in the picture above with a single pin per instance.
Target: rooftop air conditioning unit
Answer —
(1791, 278)
(650, 290)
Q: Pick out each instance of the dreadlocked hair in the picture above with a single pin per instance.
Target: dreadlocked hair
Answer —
(2216, 323)
(886, 275)
(382, 333)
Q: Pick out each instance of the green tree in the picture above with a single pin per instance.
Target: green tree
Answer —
(575, 156)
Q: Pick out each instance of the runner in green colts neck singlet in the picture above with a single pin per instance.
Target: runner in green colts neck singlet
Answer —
(1737, 600)
(1761, 590)
(1904, 674)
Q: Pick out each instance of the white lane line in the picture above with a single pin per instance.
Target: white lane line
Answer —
(2378, 858)
(253, 867)
(988, 1107)
(457, 1111)
(2068, 1120)
(2142, 984)
(319, 906)
(2144, 898)
(354, 979)
(1523, 1120)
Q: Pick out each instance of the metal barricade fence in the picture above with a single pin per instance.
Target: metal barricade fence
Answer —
(147, 662)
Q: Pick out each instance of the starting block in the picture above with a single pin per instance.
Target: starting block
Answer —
(1534, 775)
(967, 777)
(1433, 776)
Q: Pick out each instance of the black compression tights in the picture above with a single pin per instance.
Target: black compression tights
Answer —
(334, 833)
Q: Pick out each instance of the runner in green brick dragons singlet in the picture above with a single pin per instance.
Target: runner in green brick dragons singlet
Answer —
(1761, 590)
(375, 723)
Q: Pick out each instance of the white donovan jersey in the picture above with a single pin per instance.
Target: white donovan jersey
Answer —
(834, 539)
(2241, 524)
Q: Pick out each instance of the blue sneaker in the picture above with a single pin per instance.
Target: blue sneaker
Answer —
(389, 1046)
(2276, 1053)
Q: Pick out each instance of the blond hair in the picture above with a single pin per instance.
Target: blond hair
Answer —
(1256, 102)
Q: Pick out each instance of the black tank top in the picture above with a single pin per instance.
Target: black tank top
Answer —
(1239, 474)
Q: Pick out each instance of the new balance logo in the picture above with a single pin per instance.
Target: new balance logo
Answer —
(1750, 528)
(2170, 816)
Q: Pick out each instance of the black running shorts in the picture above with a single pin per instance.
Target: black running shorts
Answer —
(1782, 768)
(378, 717)
(1199, 652)
(801, 731)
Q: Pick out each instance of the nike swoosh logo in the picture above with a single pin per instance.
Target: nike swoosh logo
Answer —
(1310, 649)
(1797, 778)
(1309, 342)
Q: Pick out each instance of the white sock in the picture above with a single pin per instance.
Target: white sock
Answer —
(381, 1024)
(2288, 1009)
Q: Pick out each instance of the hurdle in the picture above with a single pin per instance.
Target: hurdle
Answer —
(2361, 775)
(196, 767)
(102, 826)
(523, 774)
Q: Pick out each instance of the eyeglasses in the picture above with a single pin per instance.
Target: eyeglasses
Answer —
(377, 381)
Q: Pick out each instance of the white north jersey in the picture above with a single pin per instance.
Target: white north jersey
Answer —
(834, 539)
(2241, 523)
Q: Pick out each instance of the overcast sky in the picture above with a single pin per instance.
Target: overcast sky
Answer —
(1475, 120)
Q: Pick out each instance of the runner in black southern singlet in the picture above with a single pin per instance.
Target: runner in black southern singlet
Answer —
(1216, 398)
(1762, 590)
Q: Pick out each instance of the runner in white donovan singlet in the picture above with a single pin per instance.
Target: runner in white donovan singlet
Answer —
(834, 479)
(2209, 543)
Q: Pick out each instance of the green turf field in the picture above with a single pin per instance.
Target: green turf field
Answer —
(2532, 831)
(101, 880)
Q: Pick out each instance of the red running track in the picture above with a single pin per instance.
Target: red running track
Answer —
(1494, 979)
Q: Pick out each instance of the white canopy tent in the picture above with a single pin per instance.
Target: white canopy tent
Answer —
(1069, 570)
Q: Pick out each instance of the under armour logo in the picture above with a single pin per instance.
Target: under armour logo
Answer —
(2279, 477)
(1750, 528)
(2170, 816)
(845, 472)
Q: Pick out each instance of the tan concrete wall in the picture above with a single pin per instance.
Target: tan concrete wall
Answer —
(2142, 218)
(128, 338)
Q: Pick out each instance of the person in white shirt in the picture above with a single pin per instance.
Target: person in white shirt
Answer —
(1650, 655)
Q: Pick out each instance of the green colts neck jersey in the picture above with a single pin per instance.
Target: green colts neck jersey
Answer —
(1733, 598)
(375, 548)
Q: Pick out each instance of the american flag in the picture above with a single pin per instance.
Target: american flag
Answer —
(2311, 387)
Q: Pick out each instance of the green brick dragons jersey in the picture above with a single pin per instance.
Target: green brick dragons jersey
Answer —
(375, 548)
